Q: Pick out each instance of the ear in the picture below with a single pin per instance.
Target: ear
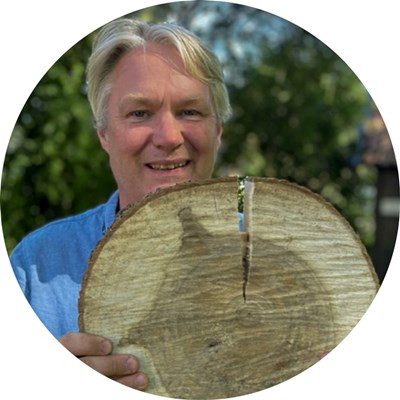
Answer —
(103, 137)
(219, 135)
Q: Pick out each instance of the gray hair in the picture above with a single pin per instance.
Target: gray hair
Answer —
(122, 35)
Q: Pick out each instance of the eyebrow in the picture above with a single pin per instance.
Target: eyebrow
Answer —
(140, 98)
(134, 98)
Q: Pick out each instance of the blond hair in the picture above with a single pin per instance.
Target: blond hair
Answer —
(122, 35)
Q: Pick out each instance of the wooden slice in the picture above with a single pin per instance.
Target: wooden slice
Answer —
(215, 313)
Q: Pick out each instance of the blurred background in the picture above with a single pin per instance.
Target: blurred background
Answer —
(300, 114)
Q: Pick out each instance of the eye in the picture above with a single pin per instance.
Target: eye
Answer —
(191, 114)
(138, 114)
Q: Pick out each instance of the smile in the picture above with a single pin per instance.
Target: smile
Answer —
(163, 167)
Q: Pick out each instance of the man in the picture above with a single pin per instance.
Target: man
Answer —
(159, 103)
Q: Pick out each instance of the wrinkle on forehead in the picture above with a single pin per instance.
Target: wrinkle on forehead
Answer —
(167, 54)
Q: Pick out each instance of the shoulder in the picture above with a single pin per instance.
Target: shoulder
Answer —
(79, 231)
(85, 221)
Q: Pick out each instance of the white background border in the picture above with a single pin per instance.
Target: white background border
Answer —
(34, 34)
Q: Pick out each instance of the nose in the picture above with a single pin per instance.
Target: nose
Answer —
(167, 132)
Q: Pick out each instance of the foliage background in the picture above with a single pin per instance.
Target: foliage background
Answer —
(298, 115)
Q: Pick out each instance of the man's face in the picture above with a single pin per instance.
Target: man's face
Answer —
(161, 125)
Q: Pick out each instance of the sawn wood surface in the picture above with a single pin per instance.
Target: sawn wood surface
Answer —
(212, 312)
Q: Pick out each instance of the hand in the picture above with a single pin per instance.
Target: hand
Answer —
(95, 351)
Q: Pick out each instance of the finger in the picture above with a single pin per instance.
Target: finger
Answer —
(137, 381)
(116, 365)
(85, 344)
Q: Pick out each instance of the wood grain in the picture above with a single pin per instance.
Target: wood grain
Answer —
(215, 313)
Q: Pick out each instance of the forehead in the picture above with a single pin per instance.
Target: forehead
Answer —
(153, 71)
(150, 53)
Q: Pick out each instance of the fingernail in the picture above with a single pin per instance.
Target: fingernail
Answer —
(105, 347)
(141, 381)
(131, 364)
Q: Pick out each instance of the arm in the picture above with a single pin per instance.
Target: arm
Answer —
(95, 351)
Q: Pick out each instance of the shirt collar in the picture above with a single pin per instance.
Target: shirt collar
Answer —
(110, 210)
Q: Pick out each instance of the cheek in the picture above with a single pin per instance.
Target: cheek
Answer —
(205, 140)
(125, 143)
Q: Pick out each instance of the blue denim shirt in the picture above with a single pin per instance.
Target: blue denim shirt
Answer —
(49, 264)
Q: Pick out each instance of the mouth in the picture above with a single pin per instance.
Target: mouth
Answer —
(167, 166)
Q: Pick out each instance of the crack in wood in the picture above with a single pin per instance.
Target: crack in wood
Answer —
(248, 191)
(246, 261)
